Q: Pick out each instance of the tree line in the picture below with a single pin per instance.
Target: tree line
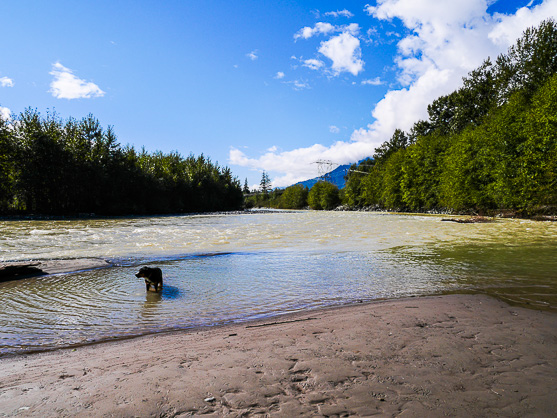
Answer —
(56, 167)
(322, 196)
(491, 145)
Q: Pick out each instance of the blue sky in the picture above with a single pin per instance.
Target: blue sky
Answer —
(255, 85)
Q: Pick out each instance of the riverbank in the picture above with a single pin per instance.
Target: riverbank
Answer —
(460, 355)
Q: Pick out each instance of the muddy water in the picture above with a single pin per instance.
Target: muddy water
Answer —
(237, 267)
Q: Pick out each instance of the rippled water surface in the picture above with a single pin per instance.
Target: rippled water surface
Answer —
(237, 267)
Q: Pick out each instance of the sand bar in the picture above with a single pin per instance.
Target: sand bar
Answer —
(455, 355)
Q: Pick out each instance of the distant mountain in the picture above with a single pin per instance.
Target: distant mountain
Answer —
(336, 177)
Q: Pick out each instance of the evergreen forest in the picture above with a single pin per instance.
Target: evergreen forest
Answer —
(53, 167)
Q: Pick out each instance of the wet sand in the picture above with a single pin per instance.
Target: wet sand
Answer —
(455, 355)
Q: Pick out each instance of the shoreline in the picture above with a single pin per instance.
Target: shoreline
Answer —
(272, 319)
(463, 355)
(540, 216)
(94, 216)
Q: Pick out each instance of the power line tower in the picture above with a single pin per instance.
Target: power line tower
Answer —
(324, 168)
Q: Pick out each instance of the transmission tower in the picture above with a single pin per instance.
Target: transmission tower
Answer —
(324, 168)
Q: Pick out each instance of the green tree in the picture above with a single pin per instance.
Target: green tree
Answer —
(399, 140)
(323, 195)
(391, 190)
(265, 184)
(354, 183)
(529, 62)
(420, 172)
(7, 168)
(294, 197)
(537, 164)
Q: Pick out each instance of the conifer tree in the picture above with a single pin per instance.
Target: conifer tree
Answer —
(265, 184)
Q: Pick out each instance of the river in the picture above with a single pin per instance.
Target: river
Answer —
(222, 268)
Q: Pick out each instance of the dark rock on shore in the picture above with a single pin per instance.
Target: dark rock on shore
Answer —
(20, 270)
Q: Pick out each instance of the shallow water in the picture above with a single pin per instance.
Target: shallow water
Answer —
(230, 268)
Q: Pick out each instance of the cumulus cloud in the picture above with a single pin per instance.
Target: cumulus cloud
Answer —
(67, 86)
(280, 75)
(6, 82)
(342, 48)
(345, 53)
(338, 13)
(320, 28)
(5, 113)
(334, 129)
(443, 42)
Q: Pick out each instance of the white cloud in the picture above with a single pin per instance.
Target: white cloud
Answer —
(252, 55)
(373, 82)
(344, 50)
(314, 64)
(334, 129)
(5, 113)
(511, 27)
(6, 82)
(352, 28)
(279, 75)
(319, 28)
(67, 86)
(344, 13)
(299, 84)
(446, 40)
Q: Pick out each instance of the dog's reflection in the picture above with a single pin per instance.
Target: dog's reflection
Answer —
(153, 300)
(168, 292)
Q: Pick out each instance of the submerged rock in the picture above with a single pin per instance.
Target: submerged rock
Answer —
(471, 220)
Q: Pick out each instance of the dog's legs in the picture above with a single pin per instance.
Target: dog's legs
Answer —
(147, 285)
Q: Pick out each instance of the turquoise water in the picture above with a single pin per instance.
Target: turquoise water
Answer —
(233, 268)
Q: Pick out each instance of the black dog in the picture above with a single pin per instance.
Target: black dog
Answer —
(152, 276)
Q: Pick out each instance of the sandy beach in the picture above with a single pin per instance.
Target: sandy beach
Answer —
(455, 355)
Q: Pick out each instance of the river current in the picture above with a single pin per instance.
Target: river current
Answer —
(223, 268)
